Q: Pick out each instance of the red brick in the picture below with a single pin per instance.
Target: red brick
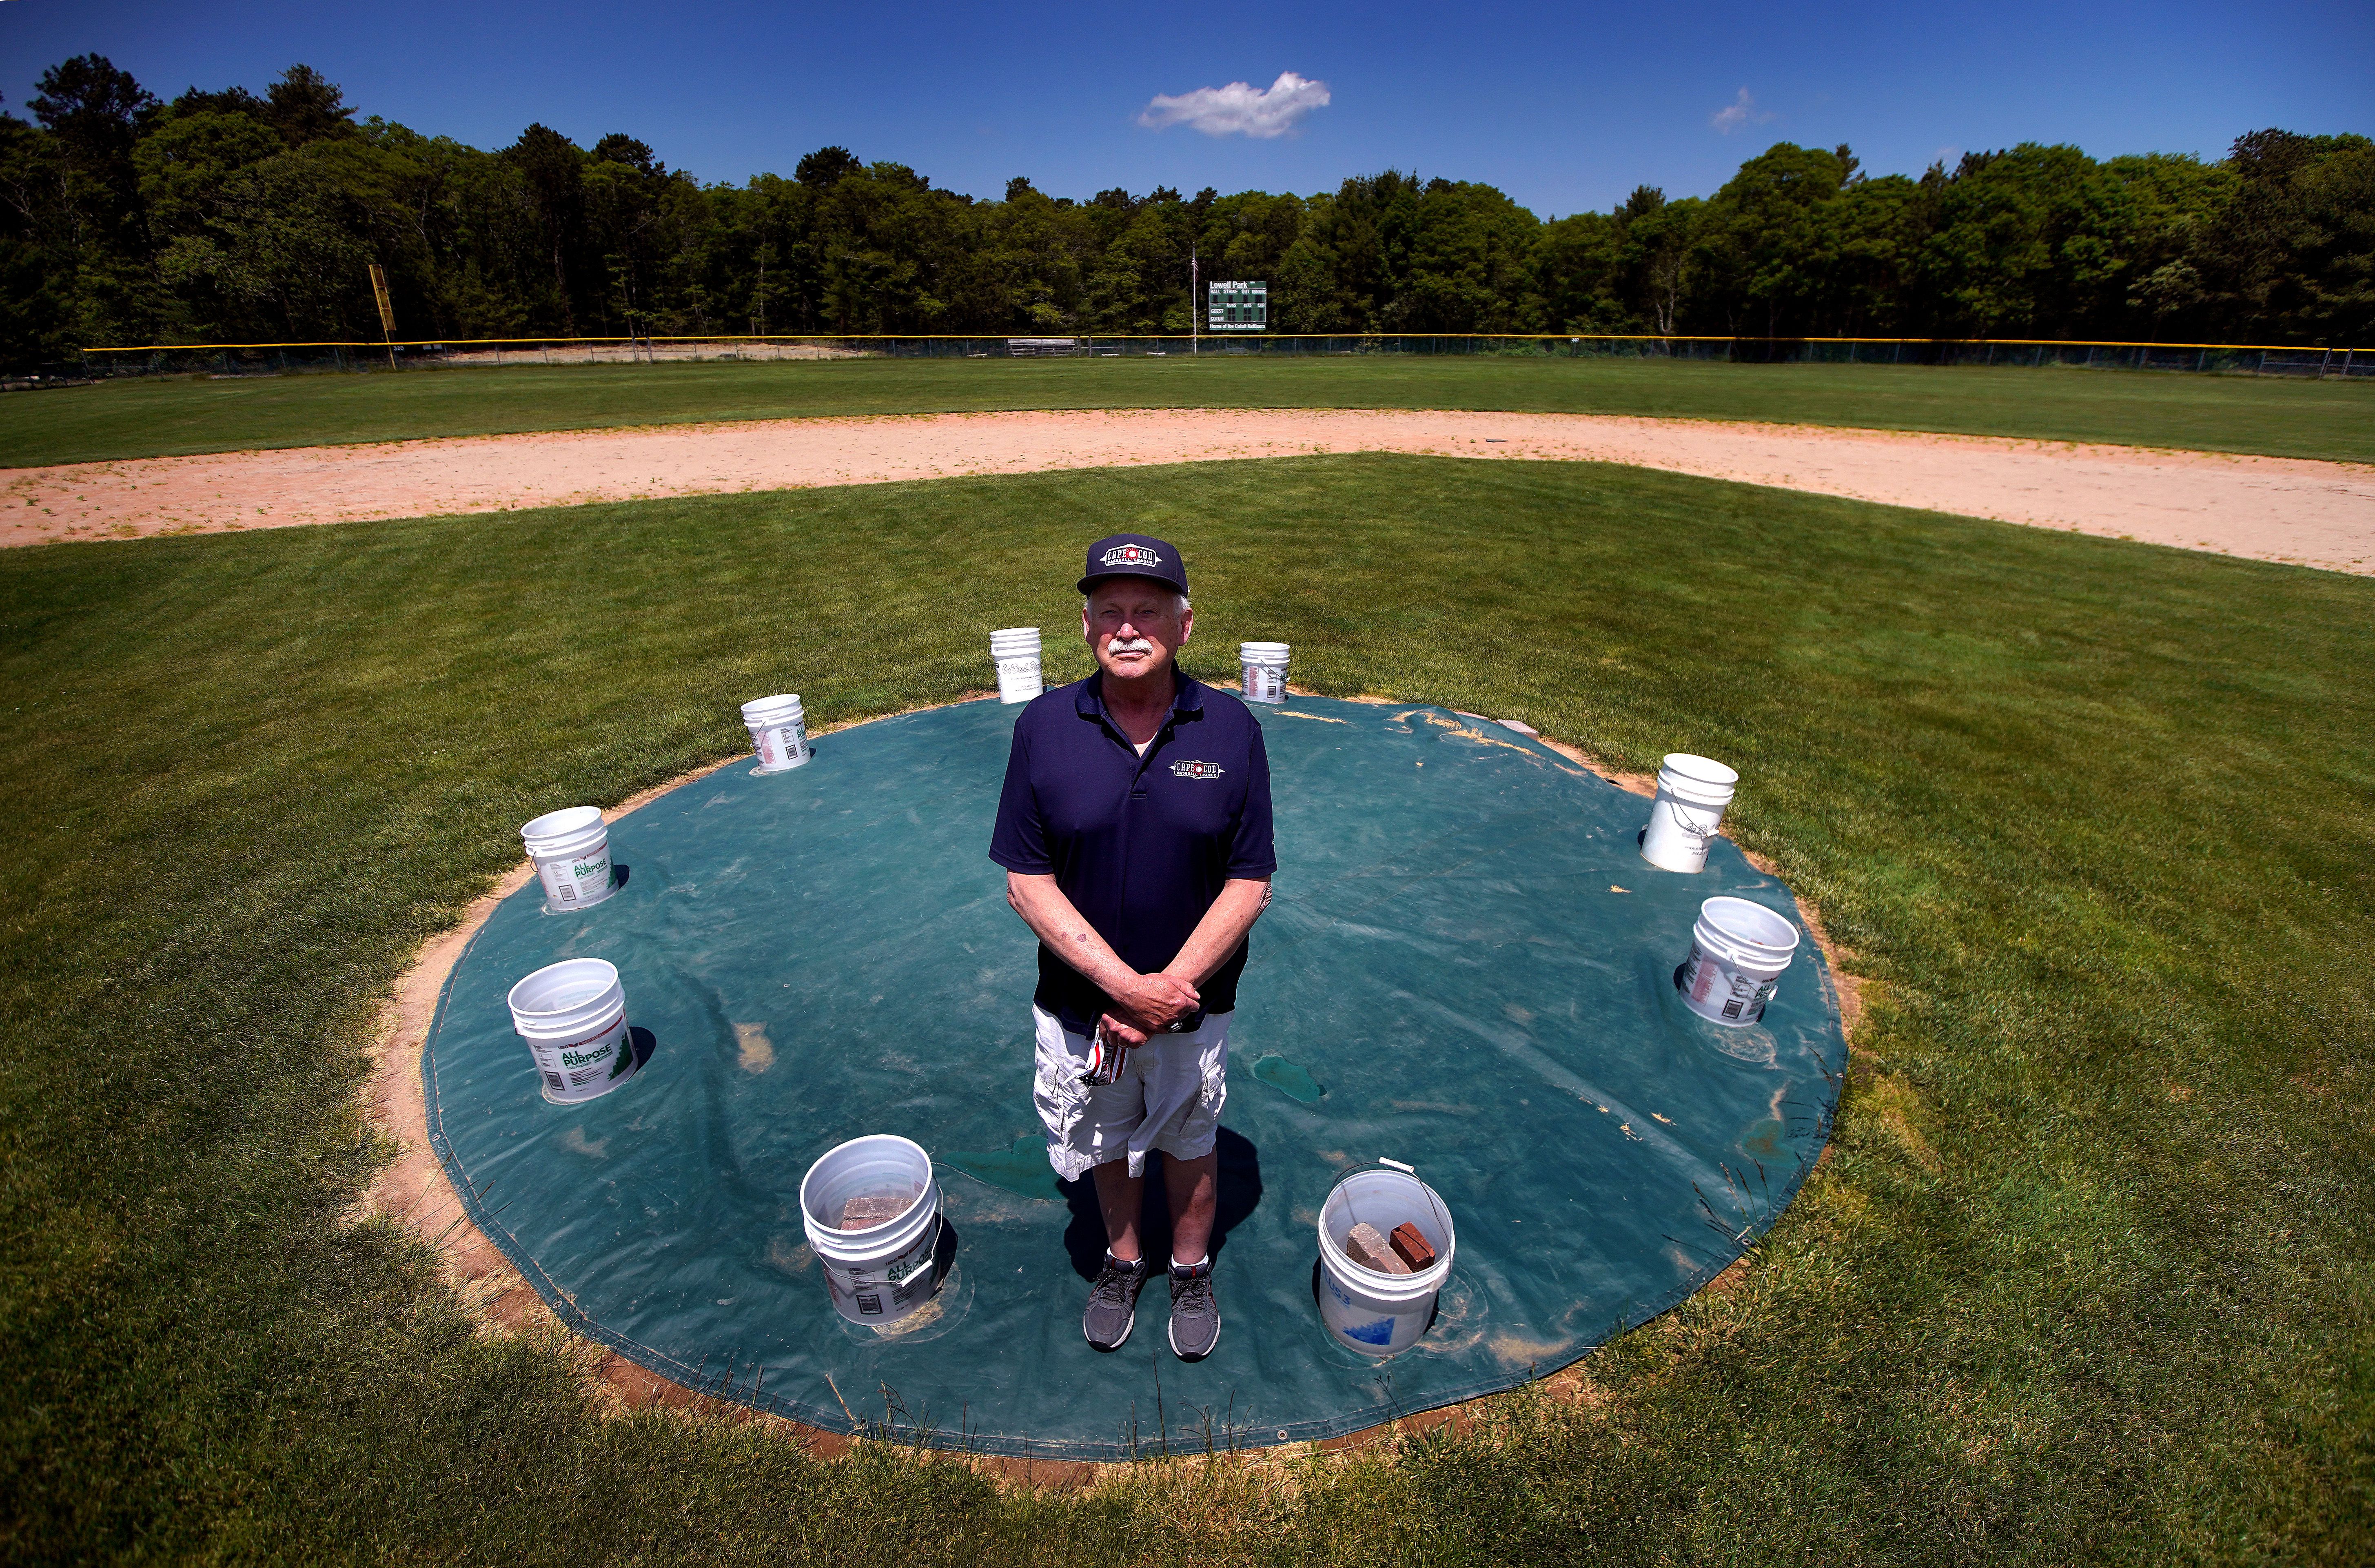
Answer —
(864, 1213)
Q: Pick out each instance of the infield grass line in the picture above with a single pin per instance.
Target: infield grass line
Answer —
(128, 419)
(2085, 1276)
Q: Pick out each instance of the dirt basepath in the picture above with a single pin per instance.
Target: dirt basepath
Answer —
(2270, 508)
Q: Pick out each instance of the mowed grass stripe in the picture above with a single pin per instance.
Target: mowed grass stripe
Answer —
(150, 418)
(2086, 1275)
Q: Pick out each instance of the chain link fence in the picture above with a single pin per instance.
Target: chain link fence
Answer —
(277, 359)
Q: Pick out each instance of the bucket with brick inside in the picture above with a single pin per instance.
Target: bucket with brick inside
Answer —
(779, 732)
(872, 1212)
(1015, 650)
(573, 1016)
(570, 849)
(1692, 793)
(1384, 1250)
(1263, 666)
(1737, 952)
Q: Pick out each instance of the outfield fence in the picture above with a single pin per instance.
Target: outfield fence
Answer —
(273, 359)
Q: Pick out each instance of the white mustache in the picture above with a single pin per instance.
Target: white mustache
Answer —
(1129, 645)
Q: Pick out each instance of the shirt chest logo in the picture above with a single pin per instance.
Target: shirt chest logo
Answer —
(1197, 769)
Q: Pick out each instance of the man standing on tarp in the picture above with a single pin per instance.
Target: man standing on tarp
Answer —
(1136, 836)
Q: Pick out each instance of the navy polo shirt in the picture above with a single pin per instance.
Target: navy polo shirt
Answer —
(1142, 845)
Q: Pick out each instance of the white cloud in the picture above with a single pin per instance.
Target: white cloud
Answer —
(1237, 110)
(1742, 111)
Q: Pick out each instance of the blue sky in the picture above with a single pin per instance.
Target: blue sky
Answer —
(1564, 107)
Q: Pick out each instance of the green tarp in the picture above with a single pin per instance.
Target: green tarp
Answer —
(1467, 967)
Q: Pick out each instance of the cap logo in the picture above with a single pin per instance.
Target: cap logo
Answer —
(1130, 555)
(1197, 769)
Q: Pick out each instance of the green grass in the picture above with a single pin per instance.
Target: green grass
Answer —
(2086, 1275)
(148, 418)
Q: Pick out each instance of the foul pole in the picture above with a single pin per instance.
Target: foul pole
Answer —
(386, 311)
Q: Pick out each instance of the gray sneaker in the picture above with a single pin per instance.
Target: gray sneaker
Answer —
(1112, 1303)
(1195, 1312)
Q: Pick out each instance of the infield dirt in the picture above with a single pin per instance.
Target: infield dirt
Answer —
(2294, 510)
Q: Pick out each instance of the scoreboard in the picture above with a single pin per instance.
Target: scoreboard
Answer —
(1239, 307)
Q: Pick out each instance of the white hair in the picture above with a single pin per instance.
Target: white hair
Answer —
(1184, 606)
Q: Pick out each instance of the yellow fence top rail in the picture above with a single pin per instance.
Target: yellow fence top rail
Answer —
(1183, 337)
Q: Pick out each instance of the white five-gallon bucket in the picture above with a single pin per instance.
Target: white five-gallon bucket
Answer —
(882, 1273)
(1372, 1312)
(571, 852)
(779, 732)
(1737, 952)
(573, 1016)
(1015, 650)
(1264, 665)
(1692, 793)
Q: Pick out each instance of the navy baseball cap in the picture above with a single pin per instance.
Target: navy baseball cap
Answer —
(1134, 555)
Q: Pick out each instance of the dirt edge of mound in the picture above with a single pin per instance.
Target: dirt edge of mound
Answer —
(413, 1191)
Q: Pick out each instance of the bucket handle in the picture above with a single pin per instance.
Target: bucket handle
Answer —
(1689, 829)
(1405, 1170)
(901, 1282)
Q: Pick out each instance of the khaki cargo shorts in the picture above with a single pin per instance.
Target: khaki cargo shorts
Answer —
(1169, 1096)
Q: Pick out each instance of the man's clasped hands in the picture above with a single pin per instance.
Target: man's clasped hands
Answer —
(1150, 1005)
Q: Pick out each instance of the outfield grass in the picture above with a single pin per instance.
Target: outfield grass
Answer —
(148, 418)
(2086, 1275)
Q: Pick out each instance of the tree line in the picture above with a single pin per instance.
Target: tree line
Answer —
(227, 217)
